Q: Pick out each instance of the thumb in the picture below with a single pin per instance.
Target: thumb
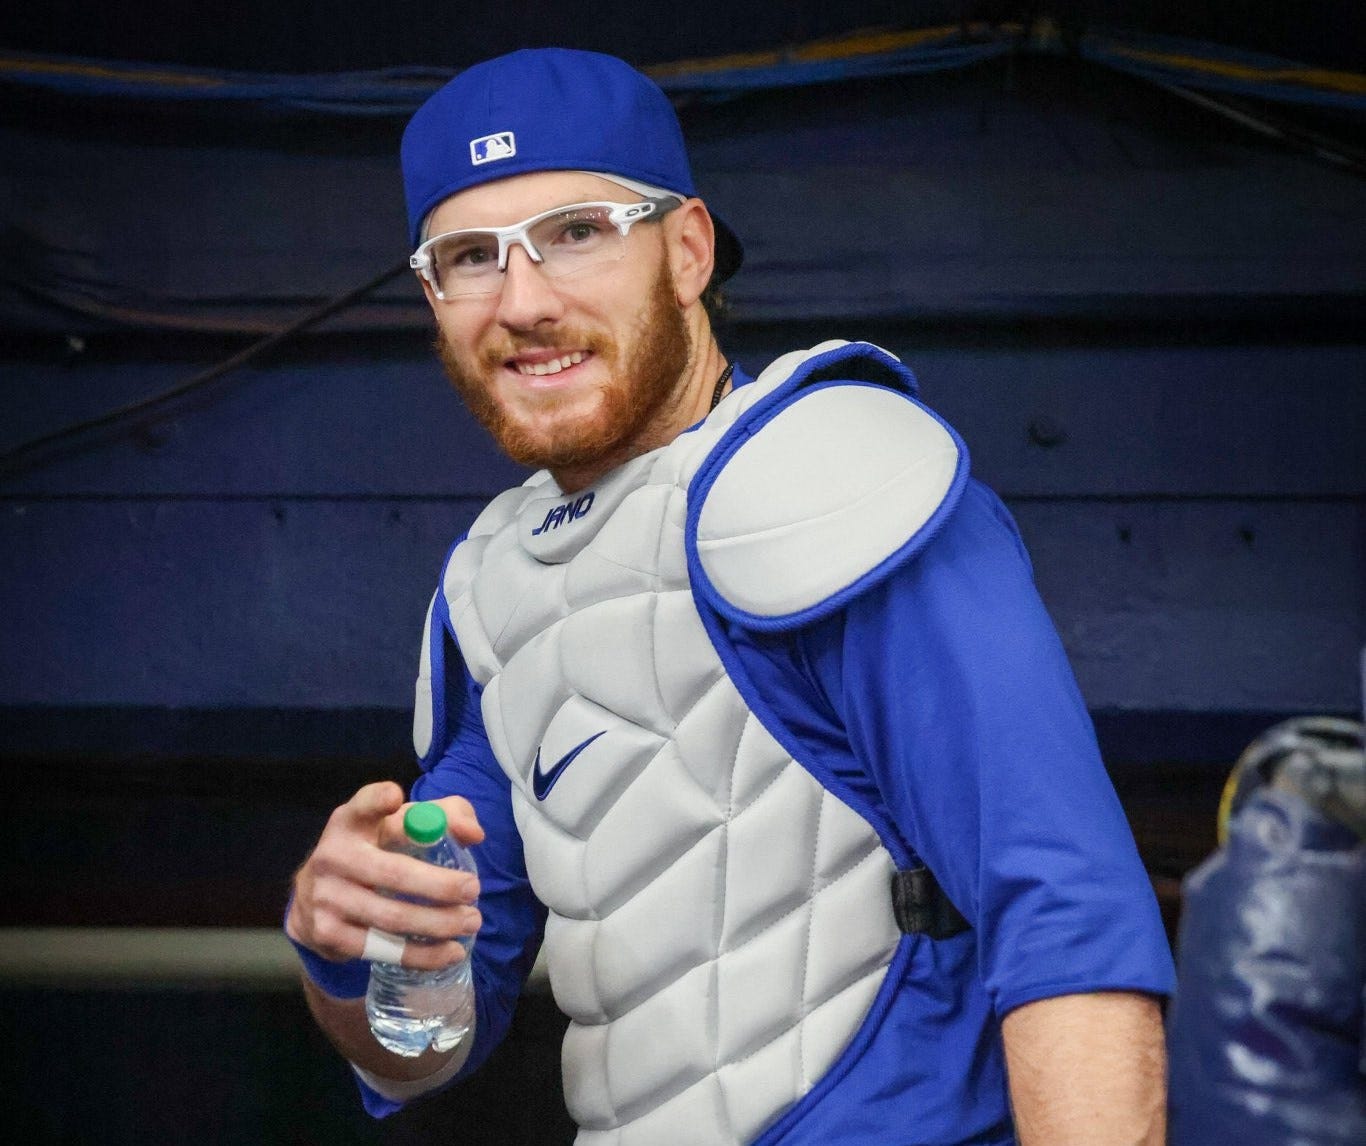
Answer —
(375, 801)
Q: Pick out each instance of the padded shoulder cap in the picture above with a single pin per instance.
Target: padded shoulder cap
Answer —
(819, 490)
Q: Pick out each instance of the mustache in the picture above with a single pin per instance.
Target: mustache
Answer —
(560, 339)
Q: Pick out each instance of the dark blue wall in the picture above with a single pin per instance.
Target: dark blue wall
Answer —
(1195, 515)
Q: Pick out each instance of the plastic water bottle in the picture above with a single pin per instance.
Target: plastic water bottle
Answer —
(410, 1009)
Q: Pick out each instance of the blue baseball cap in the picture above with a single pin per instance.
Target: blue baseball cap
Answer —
(548, 109)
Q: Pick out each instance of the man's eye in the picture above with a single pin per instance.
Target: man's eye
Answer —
(579, 232)
(468, 256)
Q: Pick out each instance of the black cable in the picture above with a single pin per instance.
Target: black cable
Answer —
(10, 460)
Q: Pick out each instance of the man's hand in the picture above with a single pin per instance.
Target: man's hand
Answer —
(337, 899)
(1087, 1070)
(337, 895)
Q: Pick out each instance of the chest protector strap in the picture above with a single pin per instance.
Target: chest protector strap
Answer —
(922, 908)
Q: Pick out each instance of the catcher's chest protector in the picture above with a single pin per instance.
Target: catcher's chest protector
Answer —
(718, 921)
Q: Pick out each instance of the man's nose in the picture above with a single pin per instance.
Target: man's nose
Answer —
(528, 295)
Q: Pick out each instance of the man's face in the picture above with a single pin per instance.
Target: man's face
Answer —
(572, 371)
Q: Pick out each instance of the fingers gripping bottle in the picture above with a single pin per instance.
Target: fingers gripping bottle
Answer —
(411, 1009)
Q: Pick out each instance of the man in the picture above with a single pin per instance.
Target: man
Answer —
(725, 695)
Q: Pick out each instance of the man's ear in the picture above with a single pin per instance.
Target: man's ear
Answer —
(692, 245)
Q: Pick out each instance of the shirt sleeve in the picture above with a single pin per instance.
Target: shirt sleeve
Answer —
(958, 701)
(513, 918)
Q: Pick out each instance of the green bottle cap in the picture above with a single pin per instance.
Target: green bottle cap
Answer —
(424, 823)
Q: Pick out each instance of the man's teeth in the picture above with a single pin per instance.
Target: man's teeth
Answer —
(554, 366)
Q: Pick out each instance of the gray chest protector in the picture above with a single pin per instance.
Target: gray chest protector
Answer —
(719, 922)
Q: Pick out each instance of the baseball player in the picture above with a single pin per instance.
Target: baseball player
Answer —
(745, 701)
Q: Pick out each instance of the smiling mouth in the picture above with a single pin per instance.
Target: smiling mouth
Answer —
(553, 366)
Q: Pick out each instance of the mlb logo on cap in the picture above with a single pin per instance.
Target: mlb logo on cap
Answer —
(487, 148)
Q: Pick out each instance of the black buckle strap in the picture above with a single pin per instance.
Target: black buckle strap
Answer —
(921, 907)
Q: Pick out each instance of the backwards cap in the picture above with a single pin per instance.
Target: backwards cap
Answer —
(548, 109)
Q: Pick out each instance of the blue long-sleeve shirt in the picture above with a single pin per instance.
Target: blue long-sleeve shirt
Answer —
(939, 703)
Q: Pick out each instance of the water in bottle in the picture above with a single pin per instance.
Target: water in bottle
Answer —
(410, 1009)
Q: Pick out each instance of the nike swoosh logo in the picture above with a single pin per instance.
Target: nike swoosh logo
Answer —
(542, 782)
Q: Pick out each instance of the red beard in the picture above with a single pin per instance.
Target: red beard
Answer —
(644, 387)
